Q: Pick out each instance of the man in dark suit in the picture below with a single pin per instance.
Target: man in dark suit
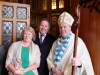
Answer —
(44, 44)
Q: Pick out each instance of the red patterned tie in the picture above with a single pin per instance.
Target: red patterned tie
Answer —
(41, 38)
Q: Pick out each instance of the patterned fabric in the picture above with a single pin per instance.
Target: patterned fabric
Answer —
(60, 48)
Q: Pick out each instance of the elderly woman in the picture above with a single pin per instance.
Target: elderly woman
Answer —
(23, 57)
(60, 59)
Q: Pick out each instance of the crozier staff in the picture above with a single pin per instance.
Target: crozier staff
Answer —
(77, 24)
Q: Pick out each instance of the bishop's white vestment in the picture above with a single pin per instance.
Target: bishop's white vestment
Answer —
(65, 63)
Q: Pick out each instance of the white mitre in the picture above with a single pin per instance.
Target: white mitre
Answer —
(65, 17)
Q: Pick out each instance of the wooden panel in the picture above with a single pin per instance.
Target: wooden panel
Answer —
(72, 12)
(98, 44)
(88, 32)
(81, 27)
(0, 32)
(92, 39)
(84, 26)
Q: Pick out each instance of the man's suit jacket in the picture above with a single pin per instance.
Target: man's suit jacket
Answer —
(44, 49)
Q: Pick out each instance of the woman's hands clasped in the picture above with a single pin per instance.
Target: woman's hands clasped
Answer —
(19, 71)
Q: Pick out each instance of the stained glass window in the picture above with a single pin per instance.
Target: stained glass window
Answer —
(61, 3)
(44, 4)
(20, 27)
(33, 20)
(13, 18)
(21, 13)
(54, 4)
(7, 32)
(7, 11)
